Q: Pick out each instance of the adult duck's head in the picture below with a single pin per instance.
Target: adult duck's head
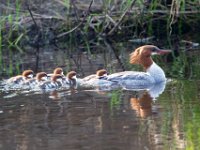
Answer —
(142, 55)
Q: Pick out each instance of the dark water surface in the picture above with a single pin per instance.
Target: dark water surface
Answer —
(100, 120)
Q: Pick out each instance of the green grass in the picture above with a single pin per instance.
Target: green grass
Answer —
(180, 116)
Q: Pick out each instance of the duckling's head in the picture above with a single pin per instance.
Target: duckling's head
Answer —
(58, 71)
(57, 77)
(28, 74)
(41, 76)
(101, 73)
(71, 75)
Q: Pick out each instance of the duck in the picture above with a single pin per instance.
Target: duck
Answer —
(70, 80)
(40, 77)
(54, 83)
(152, 72)
(100, 74)
(99, 81)
(56, 71)
(19, 79)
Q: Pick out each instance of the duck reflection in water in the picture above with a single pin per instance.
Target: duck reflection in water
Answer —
(142, 103)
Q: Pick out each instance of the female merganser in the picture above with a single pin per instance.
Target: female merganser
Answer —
(70, 81)
(56, 71)
(31, 83)
(55, 83)
(154, 74)
(19, 79)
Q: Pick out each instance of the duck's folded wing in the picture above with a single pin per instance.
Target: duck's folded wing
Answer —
(114, 77)
(136, 76)
(137, 80)
(127, 75)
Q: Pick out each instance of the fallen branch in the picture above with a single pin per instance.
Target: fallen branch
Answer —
(38, 37)
(110, 47)
(30, 12)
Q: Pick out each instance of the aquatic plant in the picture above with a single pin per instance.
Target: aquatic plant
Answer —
(115, 99)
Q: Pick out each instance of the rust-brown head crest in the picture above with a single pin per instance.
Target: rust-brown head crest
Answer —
(142, 55)
(55, 77)
(58, 71)
(101, 72)
(28, 74)
(40, 75)
(71, 74)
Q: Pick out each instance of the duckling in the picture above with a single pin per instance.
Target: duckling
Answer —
(40, 77)
(70, 81)
(56, 71)
(54, 83)
(19, 79)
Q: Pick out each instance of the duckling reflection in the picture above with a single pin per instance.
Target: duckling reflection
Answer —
(55, 95)
(142, 103)
(58, 95)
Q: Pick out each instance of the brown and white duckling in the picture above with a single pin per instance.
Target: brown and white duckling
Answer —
(20, 79)
(99, 81)
(40, 77)
(100, 74)
(70, 81)
(54, 83)
(56, 71)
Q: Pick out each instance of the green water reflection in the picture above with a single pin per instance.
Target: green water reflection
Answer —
(181, 118)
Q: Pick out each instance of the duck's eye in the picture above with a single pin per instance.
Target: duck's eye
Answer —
(155, 49)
